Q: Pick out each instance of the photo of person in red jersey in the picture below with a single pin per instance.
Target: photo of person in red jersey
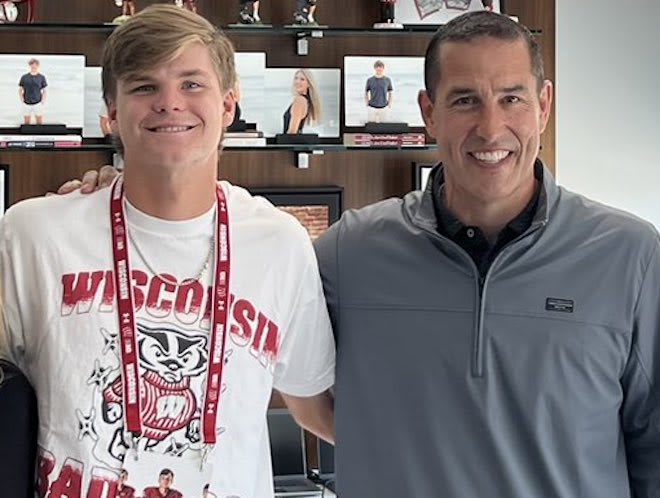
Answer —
(123, 489)
(164, 489)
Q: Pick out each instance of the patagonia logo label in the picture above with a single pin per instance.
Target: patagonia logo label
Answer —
(556, 304)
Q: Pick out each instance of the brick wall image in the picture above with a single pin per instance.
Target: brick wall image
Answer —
(314, 218)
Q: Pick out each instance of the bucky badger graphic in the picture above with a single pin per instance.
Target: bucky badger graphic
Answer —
(170, 359)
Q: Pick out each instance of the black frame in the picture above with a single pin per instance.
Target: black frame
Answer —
(331, 196)
(4, 170)
(419, 170)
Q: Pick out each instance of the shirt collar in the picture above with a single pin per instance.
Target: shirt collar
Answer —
(450, 226)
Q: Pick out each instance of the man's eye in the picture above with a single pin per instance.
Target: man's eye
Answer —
(191, 85)
(512, 99)
(464, 101)
(143, 89)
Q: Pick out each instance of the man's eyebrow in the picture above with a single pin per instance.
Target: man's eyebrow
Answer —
(513, 89)
(183, 74)
(459, 92)
(463, 91)
(192, 72)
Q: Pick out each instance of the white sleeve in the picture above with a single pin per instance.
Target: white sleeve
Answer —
(12, 340)
(306, 358)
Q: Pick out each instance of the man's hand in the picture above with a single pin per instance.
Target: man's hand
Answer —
(92, 180)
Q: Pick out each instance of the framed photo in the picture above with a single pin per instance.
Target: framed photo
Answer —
(323, 90)
(405, 76)
(4, 188)
(96, 113)
(52, 90)
(251, 80)
(315, 207)
(437, 12)
(421, 172)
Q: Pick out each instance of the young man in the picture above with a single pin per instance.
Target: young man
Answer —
(164, 488)
(32, 93)
(378, 92)
(155, 325)
(123, 489)
(498, 336)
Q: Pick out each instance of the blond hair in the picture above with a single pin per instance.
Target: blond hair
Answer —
(314, 111)
(157, 35)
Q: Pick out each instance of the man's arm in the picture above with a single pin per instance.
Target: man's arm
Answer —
(44, 94)
(21, 94)
(314, 413)
(640, 413)
(390, 93)
(304, 372)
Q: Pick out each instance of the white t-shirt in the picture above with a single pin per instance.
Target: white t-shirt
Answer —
(56, 271)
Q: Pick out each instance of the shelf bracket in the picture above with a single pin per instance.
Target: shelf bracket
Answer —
(302, 40)
(302, 157)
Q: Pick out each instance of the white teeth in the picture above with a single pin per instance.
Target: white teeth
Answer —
(170, 129)
(491, 157)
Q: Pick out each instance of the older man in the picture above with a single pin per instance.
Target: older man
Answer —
(498, 336)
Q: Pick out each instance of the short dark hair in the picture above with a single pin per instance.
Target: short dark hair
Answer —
(472, 25)
(33, 61)
(166, 472)
(379, 63)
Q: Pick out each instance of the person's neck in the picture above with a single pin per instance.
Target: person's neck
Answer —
(171, 195)
(491, 217)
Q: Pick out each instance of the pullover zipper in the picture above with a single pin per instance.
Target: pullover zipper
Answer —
(477, 366)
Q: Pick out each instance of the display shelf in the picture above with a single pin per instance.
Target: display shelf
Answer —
(309, 148)
(296, 31)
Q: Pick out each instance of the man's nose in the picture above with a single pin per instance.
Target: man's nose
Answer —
(167, 99)
(491, 122)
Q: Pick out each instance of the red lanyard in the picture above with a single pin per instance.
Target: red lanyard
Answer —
(126, 315)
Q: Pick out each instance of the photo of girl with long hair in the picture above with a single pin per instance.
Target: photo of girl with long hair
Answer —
(305, 109)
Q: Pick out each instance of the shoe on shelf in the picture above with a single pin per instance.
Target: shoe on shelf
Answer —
(244, 17)
(300, 18)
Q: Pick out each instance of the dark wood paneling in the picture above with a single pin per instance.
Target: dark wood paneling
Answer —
(367, 176)
(541, 15)
(34, 173)
(49, 41)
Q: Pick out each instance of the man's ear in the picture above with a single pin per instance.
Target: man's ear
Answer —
(545, 103)
(426, 107)
(112, 116)
(228, 108)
